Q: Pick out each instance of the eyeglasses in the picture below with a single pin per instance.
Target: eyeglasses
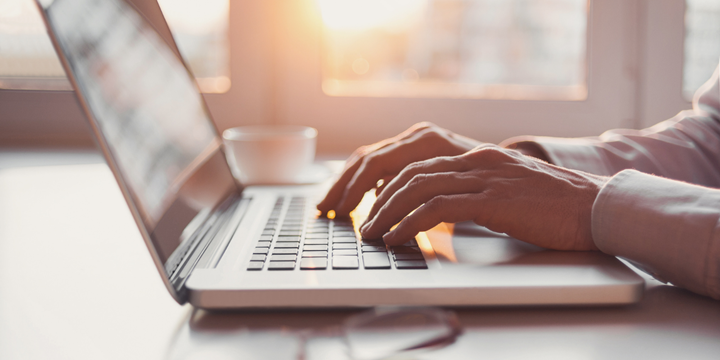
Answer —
(383, 332)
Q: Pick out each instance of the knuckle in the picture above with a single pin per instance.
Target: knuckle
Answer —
(432, 134)
(360, 151)
(437, 204)
(415, 167)
(489, 153)
(417, 181)
(370, 161)
(425, 125)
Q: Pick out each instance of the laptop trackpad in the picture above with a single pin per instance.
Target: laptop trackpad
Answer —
(468, 243)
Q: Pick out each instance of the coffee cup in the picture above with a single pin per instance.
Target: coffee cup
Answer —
(269, 154)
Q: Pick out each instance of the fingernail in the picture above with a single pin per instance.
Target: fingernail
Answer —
(365, 227)
(388, 237)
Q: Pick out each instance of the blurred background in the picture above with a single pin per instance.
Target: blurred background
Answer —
(363, 70)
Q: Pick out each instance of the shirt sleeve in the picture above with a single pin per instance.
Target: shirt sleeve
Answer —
(661, 208)
(670, 228)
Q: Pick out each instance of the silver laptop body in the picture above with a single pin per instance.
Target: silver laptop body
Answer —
(218, 244)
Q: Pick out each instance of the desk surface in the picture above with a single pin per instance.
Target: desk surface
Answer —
(76, 282)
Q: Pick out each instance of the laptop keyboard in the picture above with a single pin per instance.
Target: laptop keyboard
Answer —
(294, 240)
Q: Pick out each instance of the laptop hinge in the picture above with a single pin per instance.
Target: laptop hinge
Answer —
(211, 237)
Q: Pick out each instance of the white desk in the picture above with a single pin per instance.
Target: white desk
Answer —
(76, 282)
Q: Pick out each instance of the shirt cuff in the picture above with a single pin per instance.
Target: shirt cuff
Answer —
(669, 227)
(572, 153)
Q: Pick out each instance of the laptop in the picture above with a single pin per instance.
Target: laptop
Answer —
(219, 244)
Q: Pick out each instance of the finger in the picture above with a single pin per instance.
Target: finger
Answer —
(435, 165)
(421, 189)
(376, 166)
(387, 161)
(444, 208)
(336, 192)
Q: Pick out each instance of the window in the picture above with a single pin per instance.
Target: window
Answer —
(28, 60)
(488, 69)
(702, 43)
(487, 49)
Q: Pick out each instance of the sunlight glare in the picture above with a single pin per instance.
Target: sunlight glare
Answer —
(368, 14)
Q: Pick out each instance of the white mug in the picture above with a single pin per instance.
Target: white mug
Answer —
(269, 154)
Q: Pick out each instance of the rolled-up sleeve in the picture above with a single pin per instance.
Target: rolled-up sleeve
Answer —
(667, 226)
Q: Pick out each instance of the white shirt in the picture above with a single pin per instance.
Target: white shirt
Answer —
(669, 227)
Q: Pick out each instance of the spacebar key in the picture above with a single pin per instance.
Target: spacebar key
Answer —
(376, 260)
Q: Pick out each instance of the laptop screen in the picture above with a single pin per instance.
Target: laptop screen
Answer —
(142, 98)
(148, 116)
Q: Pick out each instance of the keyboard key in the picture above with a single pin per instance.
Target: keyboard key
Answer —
(375, 242)
(268, 233)
(315, 242)
(412, 242)
(409, 257)
(265, 238)
(373, 248)
(264, 243)
(261, 250)
(255, 265)
(317, 236)
(287, 245)
(343, 234)
(257, 257)
(405, 250)
(291, 227)
(345, 253)
(345, 262)
(411, 264)
(315, 247)
(314, 254)
(289, 239)
(341, 227)
(283, 257)
(376, 260)
(290, 233)
(344, 246)
(313, 264)
(284, 251)
(344, 239)
(281, 265)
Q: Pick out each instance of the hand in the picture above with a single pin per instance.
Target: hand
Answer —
(385, 159)
(501, 189)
